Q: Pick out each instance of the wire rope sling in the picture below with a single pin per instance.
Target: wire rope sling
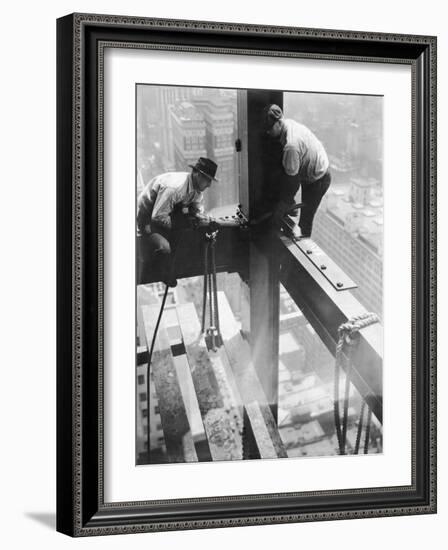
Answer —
(348, 338)
(213, 336)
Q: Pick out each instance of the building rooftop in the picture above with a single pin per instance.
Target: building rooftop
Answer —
(364, 220)
(186, 111)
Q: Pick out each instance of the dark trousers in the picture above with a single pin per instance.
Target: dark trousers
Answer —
(154, 257)
(156, 252)
(312, 194)
(283, 189)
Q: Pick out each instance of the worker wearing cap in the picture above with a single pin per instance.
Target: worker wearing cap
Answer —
(162, 198)
(304, 162)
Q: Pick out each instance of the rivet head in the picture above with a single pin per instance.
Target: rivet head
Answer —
(323, 267)
(339, 285)
(309, 251)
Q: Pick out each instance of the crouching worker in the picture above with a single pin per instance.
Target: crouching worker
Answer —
(303, 162)
(157, 205)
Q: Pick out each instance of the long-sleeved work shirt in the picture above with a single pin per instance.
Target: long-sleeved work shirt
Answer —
(161, 195)
(303, 153)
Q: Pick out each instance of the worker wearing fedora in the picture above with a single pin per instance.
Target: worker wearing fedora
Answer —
(157, 205)
(303, 162)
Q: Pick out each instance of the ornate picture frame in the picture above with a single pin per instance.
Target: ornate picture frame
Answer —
(82, 509)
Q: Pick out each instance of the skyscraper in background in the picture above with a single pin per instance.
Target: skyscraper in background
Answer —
(188, 134)
(349, 228)
(167, 97)
(179, 124)
(219, 112)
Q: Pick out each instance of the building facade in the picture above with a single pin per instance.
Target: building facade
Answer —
(188, 135)
(220, 122)
(349, 228)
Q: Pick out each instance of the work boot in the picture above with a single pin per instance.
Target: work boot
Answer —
(165, 268)
(170, 281)
(296, 232)
(294, 213)
(168, 278)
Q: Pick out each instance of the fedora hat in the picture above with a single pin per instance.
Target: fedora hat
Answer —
(205, 166)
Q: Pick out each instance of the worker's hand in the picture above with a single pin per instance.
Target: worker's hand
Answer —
(207, 222)
(213, 224)
(261, 219)
(147, 229)
(279, 212)
(195, 222)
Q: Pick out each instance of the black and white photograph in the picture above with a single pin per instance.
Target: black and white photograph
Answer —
(259, 274)
(246, 275)
(219, 293)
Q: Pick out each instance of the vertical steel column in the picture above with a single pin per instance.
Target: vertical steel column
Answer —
(263, 265)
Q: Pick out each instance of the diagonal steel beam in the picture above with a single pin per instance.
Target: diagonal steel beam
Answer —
(326, 309)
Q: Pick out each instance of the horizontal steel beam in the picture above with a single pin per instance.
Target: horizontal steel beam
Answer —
(330, 269)
(326, 309)
(232, 252)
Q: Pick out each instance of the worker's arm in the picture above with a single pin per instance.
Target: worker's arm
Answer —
(196, 212)
(291, 161)
(164, 204)
(145, 204)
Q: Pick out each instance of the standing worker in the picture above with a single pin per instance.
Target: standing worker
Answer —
(304, 162)
(161, 200)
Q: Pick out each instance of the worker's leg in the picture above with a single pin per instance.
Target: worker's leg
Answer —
(312, 194)
(143, 263)
(287, 189)
(289, 186)
(154, 258)
(162, 258)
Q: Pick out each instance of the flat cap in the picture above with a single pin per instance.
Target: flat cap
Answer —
(271, 114)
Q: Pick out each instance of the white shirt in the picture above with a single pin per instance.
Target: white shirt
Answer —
(303, 153)
(159, 197)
